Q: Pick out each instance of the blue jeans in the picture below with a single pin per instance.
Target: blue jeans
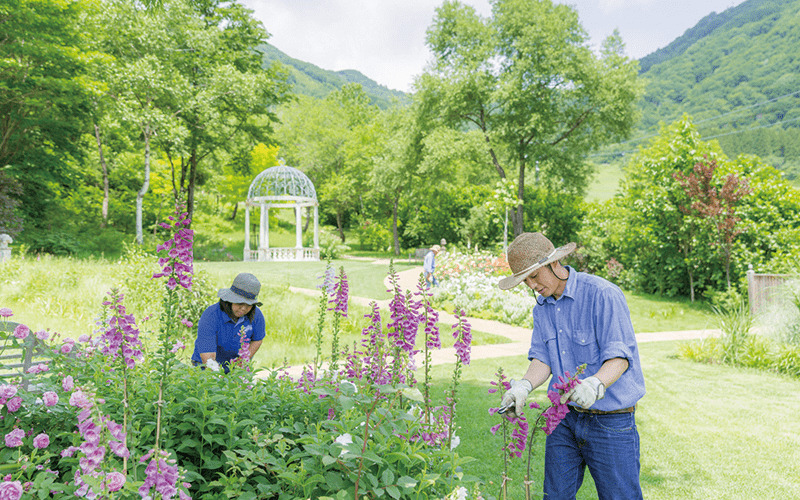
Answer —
(430, 279)
(607, 444)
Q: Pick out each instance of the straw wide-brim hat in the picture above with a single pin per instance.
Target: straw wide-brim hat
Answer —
(436, 248)
(529, 252)
(244, 290)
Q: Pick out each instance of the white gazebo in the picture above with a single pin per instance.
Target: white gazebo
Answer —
(280, 187)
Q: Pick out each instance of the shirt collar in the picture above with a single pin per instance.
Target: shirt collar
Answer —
(569, 289)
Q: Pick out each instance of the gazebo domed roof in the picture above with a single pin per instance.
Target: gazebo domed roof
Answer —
(282, 183)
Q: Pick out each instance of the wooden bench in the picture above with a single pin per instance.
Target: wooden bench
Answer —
(17, 357)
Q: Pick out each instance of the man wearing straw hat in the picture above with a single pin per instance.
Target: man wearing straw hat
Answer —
(429, 265)
(219, 329)
(580, 318)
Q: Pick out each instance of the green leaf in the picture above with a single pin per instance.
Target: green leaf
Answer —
(406, 482)
(393, 491)
(328, 460)
(387, 477)
(413, 394)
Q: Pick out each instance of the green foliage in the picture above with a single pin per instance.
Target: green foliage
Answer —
(734, 72)
(557, 214)
(496, 75)
(373, 235)
(668, 251)
(309, 80)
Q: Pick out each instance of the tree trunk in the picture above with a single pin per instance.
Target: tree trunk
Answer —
(308, 219)
(145, 186)
(235, 209)
(518, 216)
(395, 235)
(192, 181)
(104, 210)
(339, 225)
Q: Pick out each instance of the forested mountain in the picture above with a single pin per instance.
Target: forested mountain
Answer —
(308, 79)
(737, 74)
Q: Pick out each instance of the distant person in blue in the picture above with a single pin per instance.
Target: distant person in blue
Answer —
(218, 331)
(429, 265)
(580, 318)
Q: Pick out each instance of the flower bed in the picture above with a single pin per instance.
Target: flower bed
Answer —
(469, 282)
(116, 414)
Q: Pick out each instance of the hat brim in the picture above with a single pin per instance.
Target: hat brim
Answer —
(510, 282)
(228, 295)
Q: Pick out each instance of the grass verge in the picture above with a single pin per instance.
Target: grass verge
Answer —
(706, 431)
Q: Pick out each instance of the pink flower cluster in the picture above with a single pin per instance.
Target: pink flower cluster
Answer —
(121, 336)
(340, 294)
(8, 397)
(462, 332)
(162, 474)
(97, 433)
(431, 317)
(404, 321)
(243, 361)
(556, 413)
(5, 312)
(370, 363)
(178, 265)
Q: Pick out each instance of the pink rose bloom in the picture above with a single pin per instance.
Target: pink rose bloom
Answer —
(14, 439)
(50, 398)
(42, 335)
(41, 441)
(66, 348)
(21, 331)
(83, 338)
(115, 481)
(10, 490)
(41, 367)
(80, 400)
(14, 404)
(186, 323)
(8, 391)
(5, 312)
(67, 384)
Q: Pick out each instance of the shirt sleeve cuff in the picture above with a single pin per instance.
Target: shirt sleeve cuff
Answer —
(616, 350)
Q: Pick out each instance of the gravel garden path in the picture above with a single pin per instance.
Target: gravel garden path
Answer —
(518, 337)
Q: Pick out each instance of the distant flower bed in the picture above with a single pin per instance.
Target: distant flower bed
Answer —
(469, 282)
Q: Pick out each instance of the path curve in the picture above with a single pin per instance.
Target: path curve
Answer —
(519, 337)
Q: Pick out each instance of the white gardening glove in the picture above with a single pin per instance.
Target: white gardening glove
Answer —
(586, 393)
(212, 365)
(514, 399)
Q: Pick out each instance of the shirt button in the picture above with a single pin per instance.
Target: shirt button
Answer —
(560, 331)
(563, 352)
(558, 309)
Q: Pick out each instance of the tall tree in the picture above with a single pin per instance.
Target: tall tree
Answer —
(45, 91)
(528, 80)
(334, 141)
(215, 92)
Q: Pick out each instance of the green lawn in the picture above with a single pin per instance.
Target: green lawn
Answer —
(707, 431)
(365, 278)
(605, 183)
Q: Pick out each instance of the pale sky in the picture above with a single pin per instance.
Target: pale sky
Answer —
(385, 39)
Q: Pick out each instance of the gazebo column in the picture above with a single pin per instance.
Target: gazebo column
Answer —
(263, 233)
(316, 227)
(247, 232)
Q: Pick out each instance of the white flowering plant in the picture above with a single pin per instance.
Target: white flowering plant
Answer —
(468, 281)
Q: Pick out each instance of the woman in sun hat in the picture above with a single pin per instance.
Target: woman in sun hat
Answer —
(580, 318)
(218, 331)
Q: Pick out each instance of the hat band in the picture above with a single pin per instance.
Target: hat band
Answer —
(541, 261)
(241, 292)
